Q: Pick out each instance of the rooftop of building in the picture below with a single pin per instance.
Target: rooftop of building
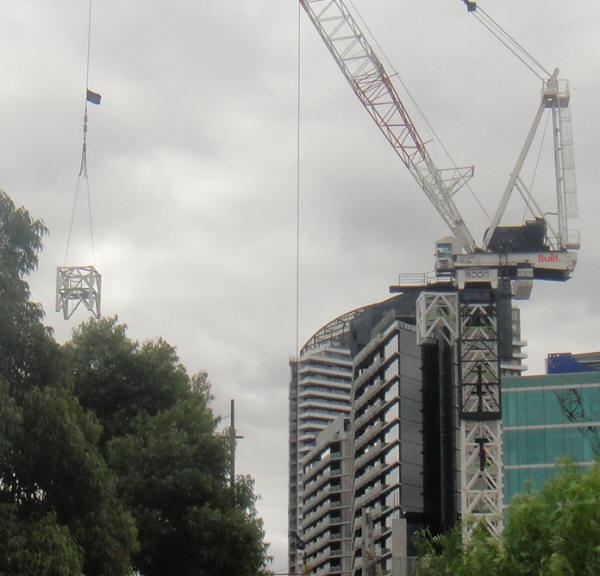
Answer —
(566, 379)
(353, 329)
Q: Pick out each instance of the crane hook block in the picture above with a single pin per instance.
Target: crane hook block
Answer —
(471, 6)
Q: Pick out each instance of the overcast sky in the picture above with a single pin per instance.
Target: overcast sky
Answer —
(192, 168)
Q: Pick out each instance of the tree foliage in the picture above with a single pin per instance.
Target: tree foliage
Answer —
(120, 380)
(34, 547)
(28, 354)
(160, 436)
(57, 493)
(557, 531)
(553, 532)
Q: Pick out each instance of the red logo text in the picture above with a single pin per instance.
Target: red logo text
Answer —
(548, 258)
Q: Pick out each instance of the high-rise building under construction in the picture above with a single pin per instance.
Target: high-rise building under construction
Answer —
(365, 373)
(372, 438)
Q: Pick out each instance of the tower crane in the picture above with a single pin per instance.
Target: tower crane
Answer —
(474, 316)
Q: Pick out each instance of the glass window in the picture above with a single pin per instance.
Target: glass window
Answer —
(392, 477)
(392, 499)
(391, 392)
(392, 456)
(392, 413)
(392, 434)
(391, 347)
(391, 371)
(545, 446)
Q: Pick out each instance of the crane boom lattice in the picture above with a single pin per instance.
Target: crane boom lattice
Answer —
(377, 93)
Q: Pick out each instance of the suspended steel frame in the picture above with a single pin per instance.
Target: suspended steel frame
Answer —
(76, 285)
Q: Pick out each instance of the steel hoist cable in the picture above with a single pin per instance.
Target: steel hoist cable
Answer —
(298, 143)
(82, 178)
(509, 42)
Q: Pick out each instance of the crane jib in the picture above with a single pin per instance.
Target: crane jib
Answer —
(374, 88)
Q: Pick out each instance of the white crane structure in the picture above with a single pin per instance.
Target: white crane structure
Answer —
(482, 279)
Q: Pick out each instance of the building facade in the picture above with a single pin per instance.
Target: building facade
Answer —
(547, 418)
(327, 494)
(321, 391)
(387, 446)
(374, 425)
(320, 388)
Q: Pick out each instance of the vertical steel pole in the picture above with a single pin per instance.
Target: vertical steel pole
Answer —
(233, 441)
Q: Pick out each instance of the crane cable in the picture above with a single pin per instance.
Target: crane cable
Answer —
(523, 56)
(83, 172)
(535, 170)
(509, 42)
(298, 143)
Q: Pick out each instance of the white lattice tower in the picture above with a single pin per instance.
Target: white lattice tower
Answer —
(480, 410)
(467, 320)
(76, 285)
(437, 315)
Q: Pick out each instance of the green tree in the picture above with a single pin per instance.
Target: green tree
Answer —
(553, 532)
(37, 547)
(28, 353)
(440, 554)
(557, 531)
(160, 436)
(119, 379)
(174, 473)
(59, 508)
(62, 471)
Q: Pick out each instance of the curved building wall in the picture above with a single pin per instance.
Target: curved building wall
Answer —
(320, 391)
(320, 388)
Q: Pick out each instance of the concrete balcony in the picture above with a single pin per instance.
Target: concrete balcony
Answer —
(314, 482)
(311, 532)
(373, 494)
(369, 414)
(368, 373)
(316, 497)
(317, 513)
(373, 452)
(368, 476)
(368, 435)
